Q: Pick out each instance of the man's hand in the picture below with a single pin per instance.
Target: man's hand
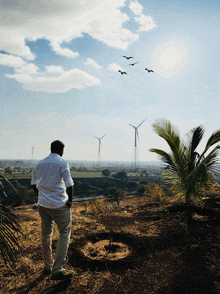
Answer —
(69, 204)
(69, 191)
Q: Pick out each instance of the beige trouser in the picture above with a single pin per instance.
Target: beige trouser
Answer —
(63, 218)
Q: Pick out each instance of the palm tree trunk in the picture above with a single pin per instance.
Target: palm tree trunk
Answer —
(188, 208)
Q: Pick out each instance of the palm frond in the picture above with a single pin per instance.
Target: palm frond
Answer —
(214, 138)
(9, 228)
(170, 134)
(11, 185)
(196, 137)
(165, 157)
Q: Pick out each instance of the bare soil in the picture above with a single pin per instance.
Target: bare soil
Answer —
(144, 248)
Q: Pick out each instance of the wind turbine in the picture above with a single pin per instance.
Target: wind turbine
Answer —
(99, 149)
(136, 137)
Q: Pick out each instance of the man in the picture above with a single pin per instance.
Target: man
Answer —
(52, 182)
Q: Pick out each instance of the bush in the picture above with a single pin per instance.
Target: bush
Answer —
(115, 195)
(120, 175)
(157, 194)
(143, 181)
(142, 189)
(132, 185)
(99, 206)
(27, 196)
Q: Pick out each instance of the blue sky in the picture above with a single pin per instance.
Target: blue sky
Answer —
(59, 74)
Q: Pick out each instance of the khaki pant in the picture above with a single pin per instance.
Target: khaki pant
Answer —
(63, 218)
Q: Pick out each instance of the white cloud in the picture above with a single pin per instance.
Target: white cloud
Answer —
(28, 69)
(12, 38)
(146, 22)
(63, 51)
(11, 61)
(93, 63)
(54, 79)
(54, 69)
(62, 22)
(115, 67)
(58, 24)
(136, 7)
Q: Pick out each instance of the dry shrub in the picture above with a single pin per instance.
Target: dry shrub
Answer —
(157, 194)
(98, 206)
(212, 191)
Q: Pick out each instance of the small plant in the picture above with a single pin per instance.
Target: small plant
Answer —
(115, 195)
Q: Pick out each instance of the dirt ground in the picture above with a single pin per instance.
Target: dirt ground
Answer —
(143, 248)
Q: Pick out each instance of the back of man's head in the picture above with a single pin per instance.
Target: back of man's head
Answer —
(57, 147)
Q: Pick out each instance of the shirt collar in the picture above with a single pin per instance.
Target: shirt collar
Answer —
(54, 155)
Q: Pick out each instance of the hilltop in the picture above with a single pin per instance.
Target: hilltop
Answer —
(153, 250)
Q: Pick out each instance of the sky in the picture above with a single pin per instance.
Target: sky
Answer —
(60, 79)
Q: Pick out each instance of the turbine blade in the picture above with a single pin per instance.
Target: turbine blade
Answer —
(141, 123)
(103, 136)
(132, 126)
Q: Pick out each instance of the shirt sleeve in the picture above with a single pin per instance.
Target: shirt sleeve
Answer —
(67, 178)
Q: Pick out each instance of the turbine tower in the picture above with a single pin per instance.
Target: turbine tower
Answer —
(136, 137)
(99, 149)
(32, 154)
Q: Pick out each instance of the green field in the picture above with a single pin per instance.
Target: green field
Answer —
(21, 175)
(86, 174)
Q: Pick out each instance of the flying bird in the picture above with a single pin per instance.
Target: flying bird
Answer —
(127, 57)
(122, 72)
(149, 70)
(133, 63)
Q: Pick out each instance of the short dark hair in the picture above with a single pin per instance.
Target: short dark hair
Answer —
(57, 146)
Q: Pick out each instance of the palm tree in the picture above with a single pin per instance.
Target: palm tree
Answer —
(9, 229)
(186, 169)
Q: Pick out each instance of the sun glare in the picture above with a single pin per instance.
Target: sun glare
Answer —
(169, 58)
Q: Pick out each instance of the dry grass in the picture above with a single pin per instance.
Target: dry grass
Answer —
(166, 256)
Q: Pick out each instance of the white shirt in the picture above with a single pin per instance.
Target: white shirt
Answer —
(52, 176)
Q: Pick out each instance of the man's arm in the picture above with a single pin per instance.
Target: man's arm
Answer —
(35, 189)
(69, 191)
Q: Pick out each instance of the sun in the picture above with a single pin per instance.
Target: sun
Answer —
(169, 58)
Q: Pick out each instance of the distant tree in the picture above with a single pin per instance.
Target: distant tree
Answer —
(106, 172)
(144, 173)
(8, 170)
(115, 195)
(132, 185)
(120, 175)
